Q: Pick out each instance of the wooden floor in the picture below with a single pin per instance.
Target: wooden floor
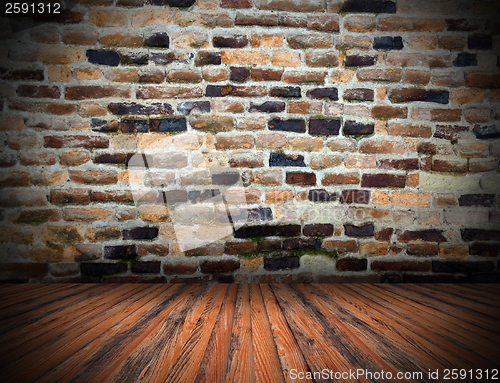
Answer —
(247, 333)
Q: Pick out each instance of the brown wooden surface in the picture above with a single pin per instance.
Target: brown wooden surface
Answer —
(211, 333)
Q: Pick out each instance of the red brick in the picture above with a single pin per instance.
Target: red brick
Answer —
(236, 142)
(43, 107)
(83, 92)
(121, 40)
(162, 92)
(312, 40)
(293, 77)
(382, 147)
(418, 59)
(385, 75)
(389, 112)
(93, 177)
(409, 130)
(341, 179)
(300, 178)
(87, 142)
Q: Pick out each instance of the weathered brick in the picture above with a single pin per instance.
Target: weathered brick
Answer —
(368, 6)
(388, 112)
(38, 216)
(92, 177)
(355, 128)
(383, 180)
(412, 94)
(358, 94)
(87, 142)
(359, 231)
(355, 196)
(208, 58)
(311, 40)
(85, 214)
(417, 77)
(281, 263)
(360, 61)
(300, 178)
(103, 234)
(268, 107)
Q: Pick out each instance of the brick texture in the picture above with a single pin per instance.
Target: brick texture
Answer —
(252, 140)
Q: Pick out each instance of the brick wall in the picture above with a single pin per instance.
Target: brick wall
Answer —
(252, 140)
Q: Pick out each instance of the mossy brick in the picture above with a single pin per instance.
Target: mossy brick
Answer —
(103, 57)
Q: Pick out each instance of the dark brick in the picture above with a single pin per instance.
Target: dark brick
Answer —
(120, 252)
(104, 126)
(301, 178)
(166, 125)
(290, 125)
(480, 42)
(173, 3)
(38, 91)
(23, 74)
(321, 195)
(226, 178)
(355, 196)
(324, 126)
(485, 278)
(98, 269)
(384, 235)
(268, 231)
(480, 235)
(485, 132)
(110, 158)
(12, 271)
(239, 74)
(484, 249)
(141, 233)
(180, 268)
(211, 249)
(82, 92)
(401, 265)
(237, 41)
(134, 126)
(259, 214)
(268, 107)
(367, 230)
(383, 180)
(352, 264)
(476, 200)
(465, 59)
(187, 107)
(164, 58)
(463, 25)
(355, 128)
(285, 92)
(223, 266)
(157, 40)
(123, 108)
(319, 93)
(134, 58)
(450, 132)
(102, 57)
(146, 267)
(404, 164)
(318, 230)
(434, 279)
(270, 245)
(388, 42)
(359, 60)
(422, 249)
(368, 6)
(290, 262)
(7, 160)
(358, 95)
(208, 58)
(301, 244)
(462, 267)
(427, 235)
(413, 94)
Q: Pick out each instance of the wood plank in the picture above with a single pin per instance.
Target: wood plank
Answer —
(266, 361)
(289, 352)
(49, 354)
(110, 345)
(214, 365)
(323, 347)
(241, 366)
